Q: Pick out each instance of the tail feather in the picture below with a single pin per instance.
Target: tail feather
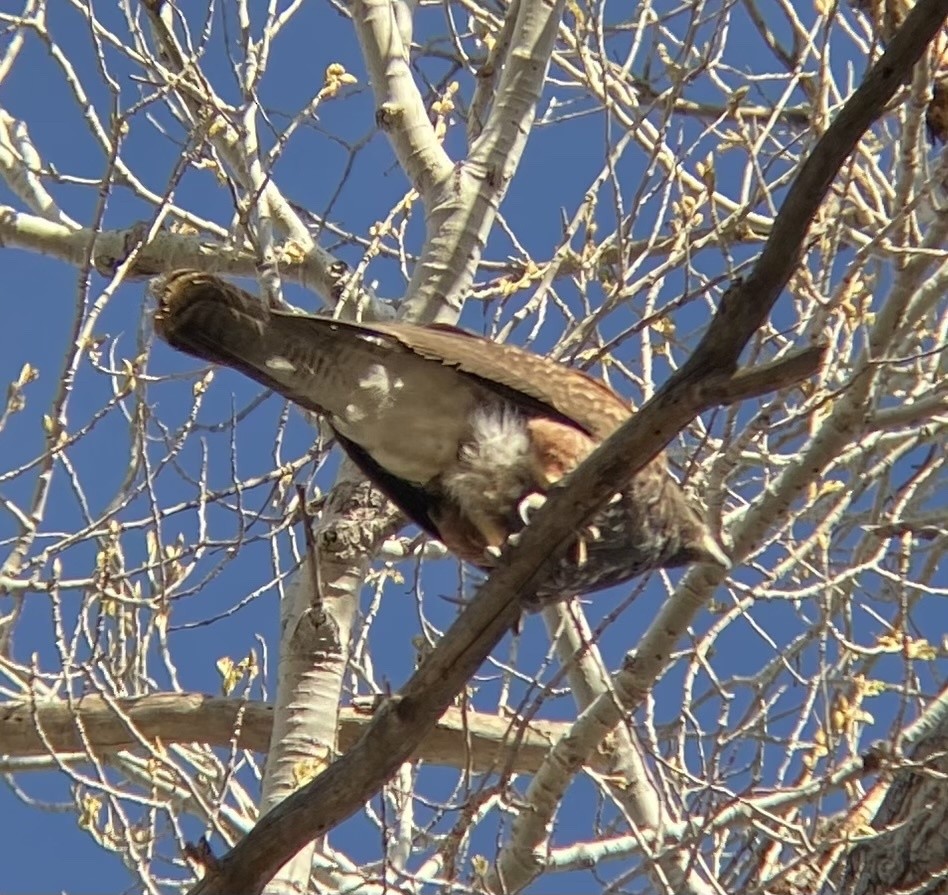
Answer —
(294, 355)
(207, 318)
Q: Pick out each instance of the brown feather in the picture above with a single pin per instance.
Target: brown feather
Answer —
(571, 394)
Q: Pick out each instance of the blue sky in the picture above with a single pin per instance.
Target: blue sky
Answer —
(39, 315)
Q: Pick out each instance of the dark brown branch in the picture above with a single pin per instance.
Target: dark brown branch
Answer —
(750, 382)
(405, 719)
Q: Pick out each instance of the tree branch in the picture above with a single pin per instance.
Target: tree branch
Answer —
(385, 37)
(481, 741)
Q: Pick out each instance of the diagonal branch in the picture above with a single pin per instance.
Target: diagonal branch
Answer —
(384, 34)
(460, 213)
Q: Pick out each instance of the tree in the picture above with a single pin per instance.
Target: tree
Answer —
(587, 180)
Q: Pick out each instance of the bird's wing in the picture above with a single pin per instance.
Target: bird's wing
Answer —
(331, 369)
(207, 317)
(519, 376)
(401, 398)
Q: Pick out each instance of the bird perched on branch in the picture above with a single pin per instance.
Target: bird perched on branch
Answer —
(463, 434)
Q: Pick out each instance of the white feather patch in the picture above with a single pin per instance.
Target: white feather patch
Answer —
(376, 380)
(494, 466)
(499, 438)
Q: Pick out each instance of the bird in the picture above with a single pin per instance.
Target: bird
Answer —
(463, 434)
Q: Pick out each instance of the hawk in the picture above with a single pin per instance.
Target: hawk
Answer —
(465, 435)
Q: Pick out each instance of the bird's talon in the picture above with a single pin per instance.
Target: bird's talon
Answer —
(529, 505)
(582, 553)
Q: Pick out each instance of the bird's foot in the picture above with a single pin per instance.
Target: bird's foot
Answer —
(589, 534)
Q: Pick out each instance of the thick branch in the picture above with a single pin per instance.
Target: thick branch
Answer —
(910, 851)
(400, 111)
(27, 729)
(481, 741)
(165, 252)
(460, 214)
